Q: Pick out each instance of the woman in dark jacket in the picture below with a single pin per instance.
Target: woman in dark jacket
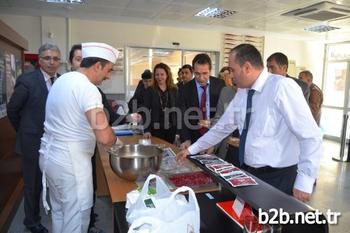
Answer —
(160, 100)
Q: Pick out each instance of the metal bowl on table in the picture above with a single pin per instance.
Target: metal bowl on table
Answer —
(135, 162)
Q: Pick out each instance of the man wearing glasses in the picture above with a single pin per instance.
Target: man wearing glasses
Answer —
(26, 111)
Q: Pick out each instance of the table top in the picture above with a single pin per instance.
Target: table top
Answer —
(119, 187)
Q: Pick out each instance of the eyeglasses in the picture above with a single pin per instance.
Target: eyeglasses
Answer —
(196, 74)
(48, 58)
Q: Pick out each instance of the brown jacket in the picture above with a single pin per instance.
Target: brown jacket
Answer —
(315, 102)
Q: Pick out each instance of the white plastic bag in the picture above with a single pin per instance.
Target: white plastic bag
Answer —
(177, 215)
(139, 207)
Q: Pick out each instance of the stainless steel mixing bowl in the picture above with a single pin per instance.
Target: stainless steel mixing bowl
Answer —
(135, 162)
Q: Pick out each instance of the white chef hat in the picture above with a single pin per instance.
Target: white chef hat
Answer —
(101, 50)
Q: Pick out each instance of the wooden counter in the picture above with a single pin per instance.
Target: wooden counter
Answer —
(108, 183)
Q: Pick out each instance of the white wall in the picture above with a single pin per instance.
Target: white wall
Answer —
(54, 30)
(123, 34)
(308, 55)
(314, 56)
(70, 31)
(27, 26)
(293, 49)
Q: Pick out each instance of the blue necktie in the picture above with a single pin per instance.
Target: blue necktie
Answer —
(245, 127)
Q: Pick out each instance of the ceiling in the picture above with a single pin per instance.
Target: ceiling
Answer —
(261, 15)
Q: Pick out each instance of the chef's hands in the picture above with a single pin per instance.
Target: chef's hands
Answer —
(118, 143)
(301, 196)
(182, 155)
(134, 118)
(115, 147)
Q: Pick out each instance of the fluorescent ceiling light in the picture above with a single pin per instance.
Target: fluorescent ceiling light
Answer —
(214, 12)
(320, 28)
(65, 1)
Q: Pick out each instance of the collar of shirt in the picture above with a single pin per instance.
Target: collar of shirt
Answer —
(46, 75)
(260, 81)
(199, 86)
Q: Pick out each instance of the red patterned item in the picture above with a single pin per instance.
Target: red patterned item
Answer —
(192, 179)
(226, 207)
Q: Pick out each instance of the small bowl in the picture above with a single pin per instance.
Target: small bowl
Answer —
(145, 141)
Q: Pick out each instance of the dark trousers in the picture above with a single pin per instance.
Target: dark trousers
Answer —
(165, 134)
(32, 189)
(280, 178)
(232, 155)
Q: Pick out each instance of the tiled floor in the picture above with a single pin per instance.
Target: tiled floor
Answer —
(103, 209)
(332, 192)
(333, 188)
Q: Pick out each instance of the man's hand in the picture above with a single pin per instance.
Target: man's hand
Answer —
(204, 123)
(185, 145)
(233, 141)
(301, 196)
(210, 151)
(134, 118)
(181, 156)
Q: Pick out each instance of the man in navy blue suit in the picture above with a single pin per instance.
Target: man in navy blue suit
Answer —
(26, 112)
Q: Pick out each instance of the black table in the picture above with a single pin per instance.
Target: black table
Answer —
(264, 196)
(213, 220)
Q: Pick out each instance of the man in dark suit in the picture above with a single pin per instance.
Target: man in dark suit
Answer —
(137, 100)
(198, 100)
(26, 111)
(186, 75)
(277, 63)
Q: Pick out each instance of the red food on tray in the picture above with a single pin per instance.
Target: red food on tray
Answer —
(191, 179)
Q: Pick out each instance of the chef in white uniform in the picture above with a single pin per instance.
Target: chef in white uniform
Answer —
(74, 121)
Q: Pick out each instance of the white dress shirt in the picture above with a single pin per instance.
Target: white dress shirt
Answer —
(207, 98)
(47, 78)
(282, 131)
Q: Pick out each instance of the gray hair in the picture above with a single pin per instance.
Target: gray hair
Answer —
(48, 46)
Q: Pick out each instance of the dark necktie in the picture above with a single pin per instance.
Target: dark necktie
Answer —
(52, 80)
(245, 127)
(203, 130)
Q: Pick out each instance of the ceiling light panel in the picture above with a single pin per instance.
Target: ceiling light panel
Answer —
(215, 12)
(66, 1)
(320, 28)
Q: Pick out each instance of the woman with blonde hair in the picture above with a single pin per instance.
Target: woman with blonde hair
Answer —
(160, 121)
(226, 75)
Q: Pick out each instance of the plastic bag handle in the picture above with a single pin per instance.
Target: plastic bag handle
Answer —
(191, 195)
(161, 187)
(144, 220)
